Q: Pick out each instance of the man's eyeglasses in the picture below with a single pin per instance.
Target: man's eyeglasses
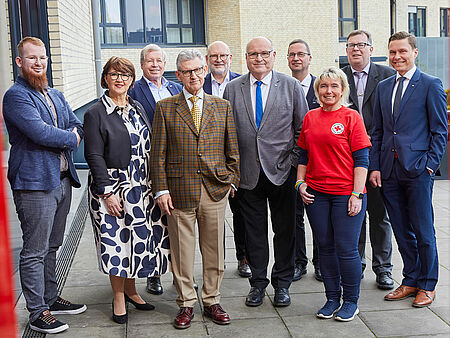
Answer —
(187, 73)
(360, 45)
(264, 55)
(223, 57)
(115, 76)
(33, 59)
(299, 55)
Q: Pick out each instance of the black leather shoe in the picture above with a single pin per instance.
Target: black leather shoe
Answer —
(318, 274)
(255, 296)
(145, 307)
(282, 297)
(154, 286)
(244, 268)
(119, 319)
(299, 271)
(384, 281)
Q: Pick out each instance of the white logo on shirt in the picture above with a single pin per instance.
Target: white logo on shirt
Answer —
(337, 128)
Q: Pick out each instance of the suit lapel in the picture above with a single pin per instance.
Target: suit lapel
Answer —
(147, 93)
(207, 86)
(387, 103)
(207, 113)
(273, 91)
(352, 86)
(44, 102)
(245, 88)
(372, 81)
(184, 112)
(409, 90)
(172, 89)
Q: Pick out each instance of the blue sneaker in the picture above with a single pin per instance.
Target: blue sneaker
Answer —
(328, 310)
(347, 312)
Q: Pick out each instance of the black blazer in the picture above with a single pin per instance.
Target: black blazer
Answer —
(107, 142)
(376, 74)
(313, 103)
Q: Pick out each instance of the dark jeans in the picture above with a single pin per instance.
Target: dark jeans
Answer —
(42, 216)
(253, 205)
(337, 234)
(300, 240)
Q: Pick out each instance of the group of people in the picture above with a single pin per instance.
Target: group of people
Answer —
(165, 157)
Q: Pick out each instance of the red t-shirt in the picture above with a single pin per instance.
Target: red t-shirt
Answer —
(330, 137)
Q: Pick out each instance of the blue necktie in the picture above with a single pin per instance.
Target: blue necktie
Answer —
(259, 104)
(398, 97)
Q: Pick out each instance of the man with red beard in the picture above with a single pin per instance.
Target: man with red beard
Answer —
(43, 132)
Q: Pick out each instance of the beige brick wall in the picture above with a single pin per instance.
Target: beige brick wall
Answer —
(72, 51)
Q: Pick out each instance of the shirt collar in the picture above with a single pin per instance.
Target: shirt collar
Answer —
(164, 83)
(187, 95)
(409, 74)
(266, 80)
(365, 70)
(306, 81)
(227, 79)
(110, 106)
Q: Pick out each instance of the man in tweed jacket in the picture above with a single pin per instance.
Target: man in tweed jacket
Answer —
(194, 166)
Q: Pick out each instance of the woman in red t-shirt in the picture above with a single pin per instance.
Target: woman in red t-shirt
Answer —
(331, 177)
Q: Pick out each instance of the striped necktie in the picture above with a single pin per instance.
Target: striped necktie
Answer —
(195, 111)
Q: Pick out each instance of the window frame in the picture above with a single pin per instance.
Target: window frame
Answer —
(444, 27)
(341, 19)
(416, 21)
(197, 23)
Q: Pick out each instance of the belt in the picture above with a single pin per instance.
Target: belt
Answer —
(64, 174)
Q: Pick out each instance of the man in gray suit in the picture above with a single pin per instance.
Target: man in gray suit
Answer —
(268, 110)
(363, 77)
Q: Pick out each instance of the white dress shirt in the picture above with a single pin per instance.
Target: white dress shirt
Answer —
(217, 88)
(159, 93)
(306, 83)
(265, 86)
(408, 76)
(364, 77)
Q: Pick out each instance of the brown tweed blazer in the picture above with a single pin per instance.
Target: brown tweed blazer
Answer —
(182, 158)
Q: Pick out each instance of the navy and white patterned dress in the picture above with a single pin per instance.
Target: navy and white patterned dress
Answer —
(137, 243)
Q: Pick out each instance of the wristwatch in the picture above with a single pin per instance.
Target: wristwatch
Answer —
(358, 195)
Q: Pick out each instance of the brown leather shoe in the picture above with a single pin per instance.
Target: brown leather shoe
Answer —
(183, 318)
(217, 314)
(401, 292)
(424, 298)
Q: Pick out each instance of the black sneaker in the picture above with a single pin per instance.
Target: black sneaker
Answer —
(46, 323)
(64, 307)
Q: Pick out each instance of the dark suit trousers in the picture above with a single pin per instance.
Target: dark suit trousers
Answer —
(282, 208)
(238, 226)
(300, 241)
(409, 204)
(380, 233)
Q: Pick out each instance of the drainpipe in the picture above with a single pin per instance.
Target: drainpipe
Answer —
(97, 49)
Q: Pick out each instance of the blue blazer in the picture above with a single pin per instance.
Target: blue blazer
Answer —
(313, 102)
(419, 133)
(142, 93)
(36, 143)
(207, 87)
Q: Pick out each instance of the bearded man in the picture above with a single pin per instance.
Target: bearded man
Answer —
(43, 132)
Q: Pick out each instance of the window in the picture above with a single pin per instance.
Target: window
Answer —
(416, 20)
(445, 22)
(164, 22)
(347, 17)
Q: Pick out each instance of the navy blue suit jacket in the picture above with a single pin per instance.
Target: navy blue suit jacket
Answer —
(207, 87)
(313, 103)
(142, 93)
(36, 143)
(418, 134)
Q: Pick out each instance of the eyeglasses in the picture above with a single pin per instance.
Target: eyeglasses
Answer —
(299, 55)
(33, 59)
(264, 55)
(187, 73)
(360, 45)
(115, 76)
(223, 57)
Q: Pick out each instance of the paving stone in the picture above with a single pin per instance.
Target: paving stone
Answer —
(442, 311)
(405, 322)
(197, 329)
(88, 332)
(311, 326)
(302, 304)
(88, 295)
(249, 328)
(164, 313)
(237, 309)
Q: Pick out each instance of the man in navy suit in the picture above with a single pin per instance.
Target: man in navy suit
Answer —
(151, 88)
(363, 77)
(219, 61)
(299, 58)
(408, 140)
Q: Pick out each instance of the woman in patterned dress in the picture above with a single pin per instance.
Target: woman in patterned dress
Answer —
(130, 235)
